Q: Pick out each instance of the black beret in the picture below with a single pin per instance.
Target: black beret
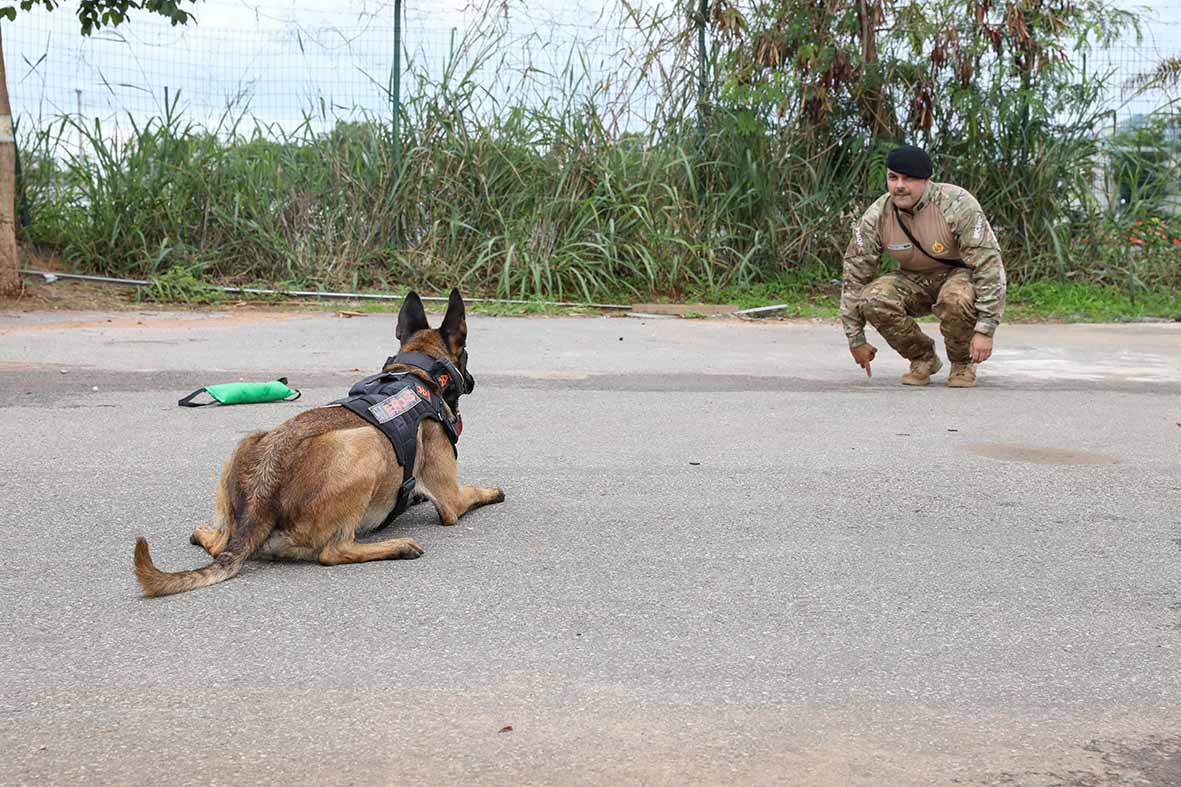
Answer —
(909, 160)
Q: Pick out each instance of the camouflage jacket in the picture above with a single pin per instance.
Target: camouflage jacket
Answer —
(946, 221)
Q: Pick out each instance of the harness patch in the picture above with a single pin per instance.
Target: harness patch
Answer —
(393, 406)
(899, 246)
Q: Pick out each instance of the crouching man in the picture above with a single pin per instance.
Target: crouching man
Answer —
(949, 264)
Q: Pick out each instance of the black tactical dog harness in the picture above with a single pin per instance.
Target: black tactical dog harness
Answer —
(397, 402)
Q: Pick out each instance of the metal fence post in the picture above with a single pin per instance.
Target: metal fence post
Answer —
(396, 95)
(702, 12)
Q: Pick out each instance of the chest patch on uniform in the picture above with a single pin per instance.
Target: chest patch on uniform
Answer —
(938, 247)
(391, 407)
(899, 246)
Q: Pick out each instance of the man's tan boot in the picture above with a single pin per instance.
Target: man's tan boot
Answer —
(963, 375)
(921, 370)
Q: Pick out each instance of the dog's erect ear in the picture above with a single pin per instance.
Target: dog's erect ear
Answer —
(454, 326)
(412, 318)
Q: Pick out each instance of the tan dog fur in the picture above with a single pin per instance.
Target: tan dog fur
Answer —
(309, 487)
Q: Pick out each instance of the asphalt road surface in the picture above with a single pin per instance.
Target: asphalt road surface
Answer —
(726, 557)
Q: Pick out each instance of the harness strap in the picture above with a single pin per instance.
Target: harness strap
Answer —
(406, 490)
(418, 360)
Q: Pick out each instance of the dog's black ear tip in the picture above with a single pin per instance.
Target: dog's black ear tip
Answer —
(411, 317)
(455, 304)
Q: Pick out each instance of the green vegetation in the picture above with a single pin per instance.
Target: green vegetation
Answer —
(1032, 301)
(1078, 302)
(749, 201)
(802, 297)
(179, 285)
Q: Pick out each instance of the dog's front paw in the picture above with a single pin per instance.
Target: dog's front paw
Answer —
(407, 550)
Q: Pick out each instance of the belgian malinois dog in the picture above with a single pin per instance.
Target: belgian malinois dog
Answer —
(306, 489)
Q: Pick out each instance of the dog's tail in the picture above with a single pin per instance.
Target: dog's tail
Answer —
(225, 566)
(256, 469)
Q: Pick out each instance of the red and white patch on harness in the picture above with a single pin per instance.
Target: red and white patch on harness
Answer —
(391, 408)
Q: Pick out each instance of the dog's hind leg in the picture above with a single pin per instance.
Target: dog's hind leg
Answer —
(340, 552)
(212, 539)
(213, 536)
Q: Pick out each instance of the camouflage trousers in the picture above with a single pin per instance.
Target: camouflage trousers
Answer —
(891, 302)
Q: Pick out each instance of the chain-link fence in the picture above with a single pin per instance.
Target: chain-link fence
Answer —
(1130, 61)
(286, 64)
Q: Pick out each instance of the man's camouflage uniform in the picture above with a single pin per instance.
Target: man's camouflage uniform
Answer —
(947, 222)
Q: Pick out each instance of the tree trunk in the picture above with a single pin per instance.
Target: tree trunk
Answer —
(10, 284)
(876, 110)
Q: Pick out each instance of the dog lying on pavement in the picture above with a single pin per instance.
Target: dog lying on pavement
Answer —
(309, 487)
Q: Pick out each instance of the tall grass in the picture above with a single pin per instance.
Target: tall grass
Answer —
(554, 195)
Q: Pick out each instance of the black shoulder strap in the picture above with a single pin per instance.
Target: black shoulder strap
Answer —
(405, 493)
(956, 263)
